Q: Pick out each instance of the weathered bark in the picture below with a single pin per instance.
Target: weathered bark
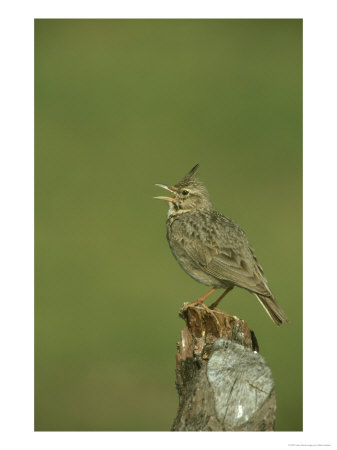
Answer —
(223, 383)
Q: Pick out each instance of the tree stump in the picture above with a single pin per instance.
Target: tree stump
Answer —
(223, 383)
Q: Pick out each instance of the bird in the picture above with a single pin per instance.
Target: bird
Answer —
(212, 248)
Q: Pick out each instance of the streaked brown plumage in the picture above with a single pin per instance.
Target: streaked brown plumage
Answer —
(212, 248)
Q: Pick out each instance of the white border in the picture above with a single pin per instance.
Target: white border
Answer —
(16, 233)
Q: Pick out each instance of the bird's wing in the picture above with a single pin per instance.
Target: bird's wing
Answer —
(231, 265)
(228, 257)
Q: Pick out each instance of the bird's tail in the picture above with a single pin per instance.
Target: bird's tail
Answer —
(273, 309)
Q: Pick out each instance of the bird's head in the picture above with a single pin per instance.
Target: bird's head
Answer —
(189, 194)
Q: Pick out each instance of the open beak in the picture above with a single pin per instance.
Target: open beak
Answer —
(168, 199)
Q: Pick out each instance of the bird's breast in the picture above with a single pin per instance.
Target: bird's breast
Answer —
(186, 242)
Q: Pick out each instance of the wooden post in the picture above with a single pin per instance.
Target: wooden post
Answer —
(223, 383)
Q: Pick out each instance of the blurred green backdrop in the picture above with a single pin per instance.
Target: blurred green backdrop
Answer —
(121, 105)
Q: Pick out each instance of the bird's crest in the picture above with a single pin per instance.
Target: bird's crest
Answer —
(188, 178)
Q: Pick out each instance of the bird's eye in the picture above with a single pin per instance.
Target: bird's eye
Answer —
(185, 192)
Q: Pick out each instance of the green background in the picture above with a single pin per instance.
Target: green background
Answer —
(121, 105)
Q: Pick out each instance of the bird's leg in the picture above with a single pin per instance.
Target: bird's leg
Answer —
(200, 300)
(215, 304)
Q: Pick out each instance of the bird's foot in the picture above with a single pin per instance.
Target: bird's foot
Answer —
(216, 309)
(190, 305)
(206, 308)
